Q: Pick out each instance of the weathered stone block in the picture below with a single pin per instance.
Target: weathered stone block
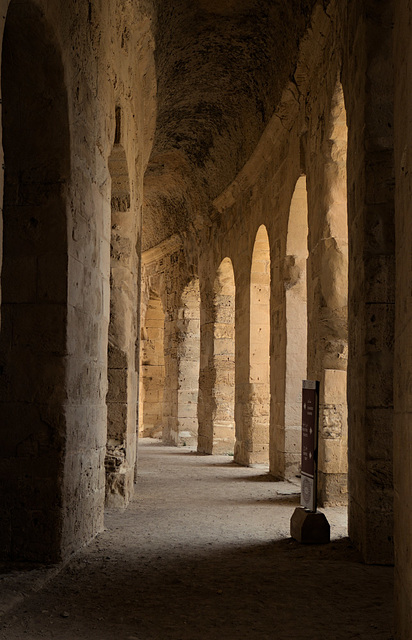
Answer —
(309, 528)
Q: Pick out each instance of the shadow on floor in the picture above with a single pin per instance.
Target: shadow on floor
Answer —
(276, 591)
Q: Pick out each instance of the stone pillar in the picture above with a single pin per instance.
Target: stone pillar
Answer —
(242, 349)
(122, 391)
(36, 353)
(207, 374)
(182, 356)
(188, 357)
(170, 429)
(402, 434)
(327, 354)
(217, 363)
(327, 300)
(252, 368)
(278, 344)
(224, 359)
(368, 84)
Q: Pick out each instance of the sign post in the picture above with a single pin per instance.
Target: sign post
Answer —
(310, 419)
(308, 525)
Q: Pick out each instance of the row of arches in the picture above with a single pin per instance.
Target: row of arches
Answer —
(156, 375)
(253, 356)
(261, 439)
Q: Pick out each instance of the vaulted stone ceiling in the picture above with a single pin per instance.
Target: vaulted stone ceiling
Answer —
(221, 67)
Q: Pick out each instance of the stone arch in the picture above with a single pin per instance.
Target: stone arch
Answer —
(33, 338)
(122, 385)
(152, 370)
(294, 278)
(259, 362)
(224, 358)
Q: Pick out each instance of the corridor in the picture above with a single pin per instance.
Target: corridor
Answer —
(203, 552)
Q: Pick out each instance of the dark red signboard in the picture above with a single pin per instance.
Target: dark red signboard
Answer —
(310, 409)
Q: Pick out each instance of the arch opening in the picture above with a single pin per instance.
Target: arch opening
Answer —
(295, 283)
(259, 364)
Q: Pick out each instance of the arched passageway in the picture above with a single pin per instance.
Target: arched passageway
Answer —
(152, 371)
(33, 345)
(259, 376)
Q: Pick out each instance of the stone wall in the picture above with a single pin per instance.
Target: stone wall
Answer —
(79, 58)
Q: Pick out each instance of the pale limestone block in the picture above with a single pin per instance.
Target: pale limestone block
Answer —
(334, 386)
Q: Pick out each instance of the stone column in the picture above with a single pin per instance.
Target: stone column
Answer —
(121, 366)
(402, 433)
(36, 353)
(188, 354)
(224, 359)
(182, 356)
(277, 362)
(368, 84)
(170, 430)
(207, 374)
(327, 300)
(242, 349)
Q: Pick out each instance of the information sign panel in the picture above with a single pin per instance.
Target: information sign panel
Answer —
(310, 416)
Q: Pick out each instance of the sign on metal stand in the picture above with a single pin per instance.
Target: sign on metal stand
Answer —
(310, 418)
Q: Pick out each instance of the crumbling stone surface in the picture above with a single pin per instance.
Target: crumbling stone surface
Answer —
(119, 483)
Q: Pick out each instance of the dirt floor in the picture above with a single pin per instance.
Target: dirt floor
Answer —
(204, 551)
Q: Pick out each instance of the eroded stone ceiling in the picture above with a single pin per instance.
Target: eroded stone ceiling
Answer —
(221, 67)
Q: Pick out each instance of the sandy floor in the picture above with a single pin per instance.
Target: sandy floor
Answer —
(204, 552)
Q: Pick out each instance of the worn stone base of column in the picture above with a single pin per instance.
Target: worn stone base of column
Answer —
(119, 489)
(309, 528)
(332, 489)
